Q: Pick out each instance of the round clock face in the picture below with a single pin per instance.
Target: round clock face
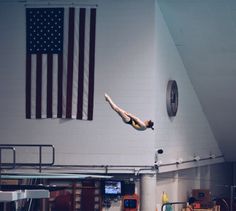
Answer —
(172, 98)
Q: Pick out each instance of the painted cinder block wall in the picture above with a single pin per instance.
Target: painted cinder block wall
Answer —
(125, 69)
(135, 58)
(189, 133)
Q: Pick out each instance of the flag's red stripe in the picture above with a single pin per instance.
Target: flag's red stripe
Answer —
(70, 63)
(28, 86)
(60, 86)
(49, 85)
(91, 63)
(38, 85)
(81, 64)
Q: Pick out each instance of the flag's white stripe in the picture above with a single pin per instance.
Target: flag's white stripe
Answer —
(65, 55)
(33, 86)
(44, 87)
(86, 64)
(75, 64)
(54, 85)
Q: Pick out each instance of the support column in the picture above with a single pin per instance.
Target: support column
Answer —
(148, 192)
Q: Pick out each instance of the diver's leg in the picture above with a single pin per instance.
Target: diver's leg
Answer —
(116, 108)
(112, 104)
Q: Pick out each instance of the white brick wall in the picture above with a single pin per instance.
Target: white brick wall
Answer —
(135, 58)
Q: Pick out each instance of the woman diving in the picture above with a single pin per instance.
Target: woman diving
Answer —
(129, 118)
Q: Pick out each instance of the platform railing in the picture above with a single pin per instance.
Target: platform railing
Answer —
(15, 163)
(173, 203)
(8, 148)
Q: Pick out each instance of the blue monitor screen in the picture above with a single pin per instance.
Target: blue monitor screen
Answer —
(112, 187)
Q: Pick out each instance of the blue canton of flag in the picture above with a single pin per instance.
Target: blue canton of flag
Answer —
(45, 30)
(60, 62)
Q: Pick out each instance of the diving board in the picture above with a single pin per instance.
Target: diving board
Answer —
(6, 196)
(21, 175)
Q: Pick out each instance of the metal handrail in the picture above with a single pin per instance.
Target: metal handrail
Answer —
(232, 197)
(39, 163)
(171, 203)
(13, 153)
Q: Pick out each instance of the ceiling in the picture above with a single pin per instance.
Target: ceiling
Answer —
(204, 32)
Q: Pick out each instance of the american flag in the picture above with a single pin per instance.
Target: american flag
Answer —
(60, 57)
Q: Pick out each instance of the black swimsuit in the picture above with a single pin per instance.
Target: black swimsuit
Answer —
(130, 121)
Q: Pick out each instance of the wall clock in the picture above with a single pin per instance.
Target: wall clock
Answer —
(172, 98)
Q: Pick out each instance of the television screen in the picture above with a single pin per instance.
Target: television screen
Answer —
(112, 187)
